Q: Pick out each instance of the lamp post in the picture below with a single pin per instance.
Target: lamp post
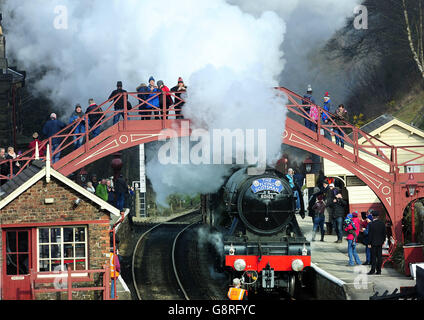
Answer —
(412, 185)
(82, 176)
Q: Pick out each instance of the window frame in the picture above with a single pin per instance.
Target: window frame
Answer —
(63, 273)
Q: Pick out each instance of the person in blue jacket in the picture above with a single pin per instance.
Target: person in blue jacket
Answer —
(325, 120)
(154, 90)
(51, 127)
(80, 126)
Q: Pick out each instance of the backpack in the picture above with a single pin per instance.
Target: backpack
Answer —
(313, 113)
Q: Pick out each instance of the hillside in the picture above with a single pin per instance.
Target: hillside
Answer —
(376, 67)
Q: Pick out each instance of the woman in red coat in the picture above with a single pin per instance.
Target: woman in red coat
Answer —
(352, 227)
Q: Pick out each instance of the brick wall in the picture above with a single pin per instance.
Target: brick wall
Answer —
(29, 208)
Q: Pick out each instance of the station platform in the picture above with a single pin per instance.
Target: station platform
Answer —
(330, 260)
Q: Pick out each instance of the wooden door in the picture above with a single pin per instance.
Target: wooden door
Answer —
(17, 263)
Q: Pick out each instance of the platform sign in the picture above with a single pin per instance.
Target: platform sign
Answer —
(310, 180)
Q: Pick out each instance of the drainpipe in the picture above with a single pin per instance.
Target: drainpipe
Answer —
(413, 220)
(114, 246)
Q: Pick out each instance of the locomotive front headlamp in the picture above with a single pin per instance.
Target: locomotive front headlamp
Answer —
(239, 264)
(297, 265)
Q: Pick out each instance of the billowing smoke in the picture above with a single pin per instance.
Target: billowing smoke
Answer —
(206, 237)
(310, 24)
(82, 48)
(230, 53)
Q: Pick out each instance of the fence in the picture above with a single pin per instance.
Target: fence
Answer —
(52, 278)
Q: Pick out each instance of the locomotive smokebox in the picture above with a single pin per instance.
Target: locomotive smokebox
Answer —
(264, 203)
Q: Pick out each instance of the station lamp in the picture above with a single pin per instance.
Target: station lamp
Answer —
(412, 185)
(308, 164)
(83, 175)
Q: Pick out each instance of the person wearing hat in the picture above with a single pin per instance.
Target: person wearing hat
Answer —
(50, 128)
(352, 227)
(236, 292)
(307, 100)
(368, 220)
(376, 238)
(154, 97)
(145, 108)
(119, 102)
(94, 117)
(180, 90)
(325, 119)
(33, 143)
(80, 126)
(165, 94)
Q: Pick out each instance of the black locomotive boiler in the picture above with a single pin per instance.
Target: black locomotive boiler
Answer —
(262, 242)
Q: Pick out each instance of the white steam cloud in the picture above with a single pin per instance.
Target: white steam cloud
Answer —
(228, 52)
(229, 59)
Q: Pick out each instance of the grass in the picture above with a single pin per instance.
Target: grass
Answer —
(409, 107)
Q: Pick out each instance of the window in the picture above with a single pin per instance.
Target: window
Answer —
(17, 252)
(59, 247)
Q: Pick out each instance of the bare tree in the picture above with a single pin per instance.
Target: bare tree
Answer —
(415, 40)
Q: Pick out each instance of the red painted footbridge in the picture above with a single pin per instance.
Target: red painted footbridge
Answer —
(380, 165)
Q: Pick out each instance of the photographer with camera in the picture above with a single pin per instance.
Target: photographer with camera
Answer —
(339, 210)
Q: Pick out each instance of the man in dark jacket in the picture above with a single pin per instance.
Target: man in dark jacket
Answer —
(339, 212)
(119, 102)
(145, 108)
(121, 188)
(181, 90)
(308, 98)
(376, 238)
(324, 117)
(51, 128)
(93, 118)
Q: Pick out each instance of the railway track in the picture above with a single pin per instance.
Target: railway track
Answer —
(172, 262)
(167, 264)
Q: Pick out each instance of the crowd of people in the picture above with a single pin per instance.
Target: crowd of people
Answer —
(149, 102)
(340, 116)
(328, 210)
(115, 191)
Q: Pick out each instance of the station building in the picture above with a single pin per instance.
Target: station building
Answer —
(393, 132)
(47, 223)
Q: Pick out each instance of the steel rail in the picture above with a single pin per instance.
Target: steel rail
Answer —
(138, 243)
(174, 263)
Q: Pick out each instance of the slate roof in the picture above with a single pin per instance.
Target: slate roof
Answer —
(377, 123)
(20, 179)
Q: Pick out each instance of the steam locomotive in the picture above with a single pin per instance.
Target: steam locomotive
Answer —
(262, 242)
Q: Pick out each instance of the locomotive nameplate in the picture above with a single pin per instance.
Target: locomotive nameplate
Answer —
(267, 184)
